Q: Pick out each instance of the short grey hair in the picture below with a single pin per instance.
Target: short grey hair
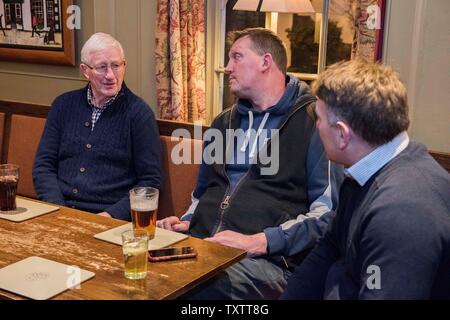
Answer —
(99, 41)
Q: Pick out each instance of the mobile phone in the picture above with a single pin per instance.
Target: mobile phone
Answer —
(171, 253)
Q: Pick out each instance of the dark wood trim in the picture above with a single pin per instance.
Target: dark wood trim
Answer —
(442, 158)
(5, 143)
(166, 127)
(26, 109)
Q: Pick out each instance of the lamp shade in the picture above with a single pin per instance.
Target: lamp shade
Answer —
(288, 6)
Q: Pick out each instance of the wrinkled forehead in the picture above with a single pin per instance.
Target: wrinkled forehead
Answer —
(106, 56)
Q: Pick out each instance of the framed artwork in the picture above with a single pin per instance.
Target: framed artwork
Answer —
(35, 31)
(369, 27)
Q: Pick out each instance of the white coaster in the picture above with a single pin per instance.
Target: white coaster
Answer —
(27, 209)
(40, 279)
(162, 237)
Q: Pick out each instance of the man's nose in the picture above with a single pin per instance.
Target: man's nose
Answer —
(109, 73)
(228, 68)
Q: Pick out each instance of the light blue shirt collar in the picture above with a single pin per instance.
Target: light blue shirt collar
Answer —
(365, 168)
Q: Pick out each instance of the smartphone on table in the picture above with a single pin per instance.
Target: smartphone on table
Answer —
(171, 253)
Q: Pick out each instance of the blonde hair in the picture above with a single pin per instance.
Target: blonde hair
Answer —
(263, 41)
(99, 41)
(370, 97)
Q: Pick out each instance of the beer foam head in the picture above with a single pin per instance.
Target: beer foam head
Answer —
(140, 205)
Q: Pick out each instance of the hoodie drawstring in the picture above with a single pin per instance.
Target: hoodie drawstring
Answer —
(248, 133)
(258, 133)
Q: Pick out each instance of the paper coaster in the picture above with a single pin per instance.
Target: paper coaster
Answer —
(27, 209)
(40, 279)
(162, 238)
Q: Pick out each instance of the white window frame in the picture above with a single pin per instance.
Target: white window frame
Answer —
(215, 39)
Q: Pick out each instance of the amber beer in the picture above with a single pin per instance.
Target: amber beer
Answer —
(144, 208)
(9, 177)
(144, 219)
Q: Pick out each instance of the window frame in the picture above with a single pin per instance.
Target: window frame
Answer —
(215, 36)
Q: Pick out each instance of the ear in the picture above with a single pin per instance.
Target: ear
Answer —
(84, 70)
(125, 65)
(344, 134)
(267, 61)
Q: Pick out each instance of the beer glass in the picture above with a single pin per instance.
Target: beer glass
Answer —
(135, 247)
(9, 177)
(144, 207)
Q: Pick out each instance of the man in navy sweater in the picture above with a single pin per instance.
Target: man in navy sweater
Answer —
(99, 141)
(390, 238)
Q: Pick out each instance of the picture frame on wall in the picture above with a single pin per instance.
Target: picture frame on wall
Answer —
(35, 31)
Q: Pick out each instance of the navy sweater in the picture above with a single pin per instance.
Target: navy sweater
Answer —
(390, 238)
(94, 170)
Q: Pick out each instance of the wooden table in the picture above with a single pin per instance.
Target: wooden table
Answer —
(67, 236)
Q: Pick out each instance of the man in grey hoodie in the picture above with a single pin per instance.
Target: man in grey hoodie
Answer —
(276, 217)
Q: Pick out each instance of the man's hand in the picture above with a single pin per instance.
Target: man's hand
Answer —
(255, 244)
(174, 224)
(104, 214)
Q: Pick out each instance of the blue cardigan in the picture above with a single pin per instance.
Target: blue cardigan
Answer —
(94, 170)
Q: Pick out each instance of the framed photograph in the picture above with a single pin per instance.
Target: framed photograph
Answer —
(35, 31)
(369, 27)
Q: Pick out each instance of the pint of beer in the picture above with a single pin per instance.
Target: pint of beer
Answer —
(9, 177)
(144, 208)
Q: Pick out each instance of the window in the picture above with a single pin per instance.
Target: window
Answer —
(50, 12)
(237, 20)
(7, 13)
(340, 30)
(311, 41)
(18, 12)
(37, 9)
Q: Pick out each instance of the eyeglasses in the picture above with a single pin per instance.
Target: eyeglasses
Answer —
(102, 69)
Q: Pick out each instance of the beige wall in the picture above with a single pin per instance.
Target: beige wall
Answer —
(432, 86)
(418, 47)
(131, 22)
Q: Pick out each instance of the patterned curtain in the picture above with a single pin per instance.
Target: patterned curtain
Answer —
(180, 59)
(368, 18)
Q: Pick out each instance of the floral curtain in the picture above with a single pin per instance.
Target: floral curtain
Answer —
(368, 18)
(180, 59)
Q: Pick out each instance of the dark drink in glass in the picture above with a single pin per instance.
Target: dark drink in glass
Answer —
(9, 177)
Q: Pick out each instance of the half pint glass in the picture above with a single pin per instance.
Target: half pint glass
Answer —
(9, 177)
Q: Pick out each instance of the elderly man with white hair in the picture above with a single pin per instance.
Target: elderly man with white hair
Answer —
(99, 141)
